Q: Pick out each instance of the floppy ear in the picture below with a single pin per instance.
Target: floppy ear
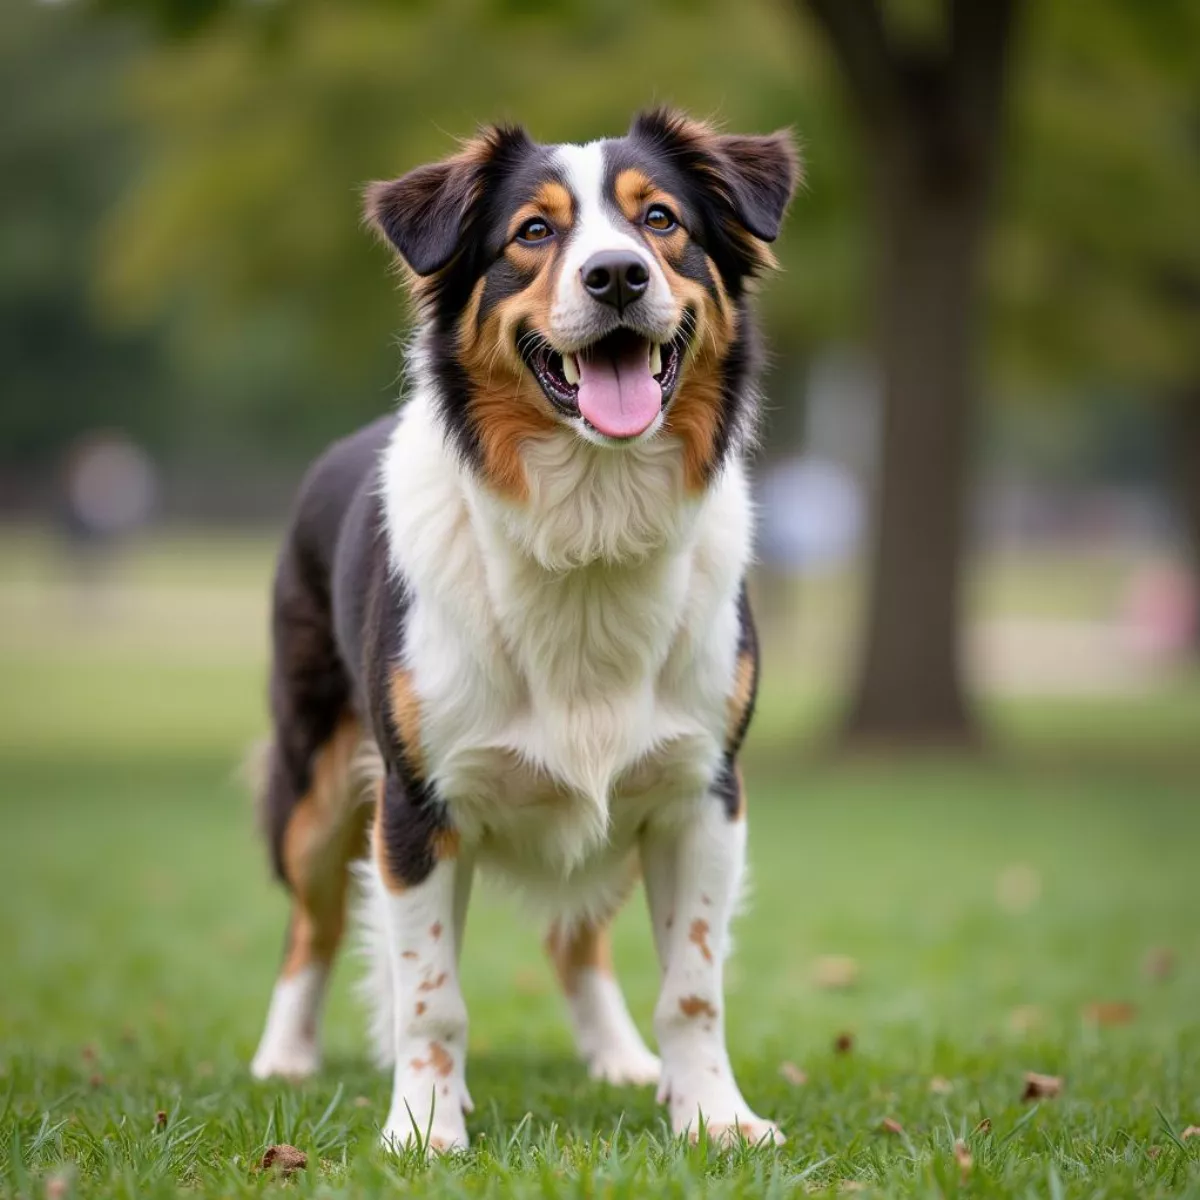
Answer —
(425, 213)
(762, 173)
(747, 181)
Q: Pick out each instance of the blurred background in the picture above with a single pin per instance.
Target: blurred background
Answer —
(980, 466)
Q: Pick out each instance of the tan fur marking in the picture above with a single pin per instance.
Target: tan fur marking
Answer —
(551, 201)
(585, 945)
(446, 843)
(421, 1007)
(698, 936)
(435, 930)
(439, 1060)
(694, 1006)
(432, 985)
(324, 832)
(740, 812)
(406, 714)
(634, 190)
(409, 954)
(739, 698)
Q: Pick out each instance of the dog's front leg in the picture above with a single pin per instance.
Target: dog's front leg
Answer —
(693, 875)
(424, 922)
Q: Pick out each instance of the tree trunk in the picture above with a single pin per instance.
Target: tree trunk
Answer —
(910, 685)
(1184, 431)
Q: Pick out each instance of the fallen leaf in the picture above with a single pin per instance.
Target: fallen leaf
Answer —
(835, 972)
(1025, 1017)
(984, 1127)
(96, 1080)
(160, 1119)
(1109, 1012)
(891, 1125)
(964, 1158)
(1041, 1087)
(283, 1158)
(843, 1043)
(792, 1073)
(1018, 888)
(1159, 963)
(1190, 1132)
(362, 1102)
(1153, 1152)
(89, 1053)
(940, 1086)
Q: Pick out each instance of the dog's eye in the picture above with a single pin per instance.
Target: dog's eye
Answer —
(660, 218)
(534, 230)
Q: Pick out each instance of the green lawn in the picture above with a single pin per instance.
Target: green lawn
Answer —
(986, 905)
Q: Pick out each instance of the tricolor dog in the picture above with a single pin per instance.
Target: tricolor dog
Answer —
(510, 624)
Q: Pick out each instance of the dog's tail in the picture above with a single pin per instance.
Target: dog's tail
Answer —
(375, 987)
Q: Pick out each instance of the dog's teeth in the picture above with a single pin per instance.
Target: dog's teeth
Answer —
(570, 369)
(655, 358)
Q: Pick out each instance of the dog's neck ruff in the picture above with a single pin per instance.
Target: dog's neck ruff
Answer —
(585, 504)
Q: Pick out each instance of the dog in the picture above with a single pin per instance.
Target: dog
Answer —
(510, 625)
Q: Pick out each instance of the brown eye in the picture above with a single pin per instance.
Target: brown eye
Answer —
(660, 218)
(534, 230)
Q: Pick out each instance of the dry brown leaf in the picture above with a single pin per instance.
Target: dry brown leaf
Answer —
(1190, 1132)
(891, 1125)
(964, 1158)
(96, 1080)
(835, 972)
(283, 1158)
(1109, 1012)
(984, 1127)
(89, 1053)
(1018, 888)
(1153, 1152)
(1041, 1087)
(940, 1086)
(792, 1073)
(362, 1102)
(160, 1119)
(1159, 963)
(843, 1043)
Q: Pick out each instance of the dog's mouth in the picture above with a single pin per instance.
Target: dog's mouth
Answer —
(617, 385)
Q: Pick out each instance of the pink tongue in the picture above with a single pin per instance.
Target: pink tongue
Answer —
(619, 396)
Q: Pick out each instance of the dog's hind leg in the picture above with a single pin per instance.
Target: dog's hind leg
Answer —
(324, 831)
(607, 1038)
(312, 816)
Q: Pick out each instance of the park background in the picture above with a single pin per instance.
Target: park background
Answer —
(975, 773)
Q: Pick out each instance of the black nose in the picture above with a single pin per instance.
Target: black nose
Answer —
(616, 277)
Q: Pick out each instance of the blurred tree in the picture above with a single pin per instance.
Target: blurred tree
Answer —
(64, 153)
(928, 88)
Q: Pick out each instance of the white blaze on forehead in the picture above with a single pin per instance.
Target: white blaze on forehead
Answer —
(598, 226)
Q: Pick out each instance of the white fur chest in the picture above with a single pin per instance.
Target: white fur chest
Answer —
(572, 656)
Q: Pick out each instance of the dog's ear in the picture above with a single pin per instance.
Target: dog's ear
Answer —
(426, 214)
(745, 182)
(762, 173)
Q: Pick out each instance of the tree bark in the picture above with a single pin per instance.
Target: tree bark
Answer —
(930, 122)
(910, 685)
(1184, 428)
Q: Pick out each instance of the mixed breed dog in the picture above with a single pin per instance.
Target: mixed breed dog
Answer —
(510, 626)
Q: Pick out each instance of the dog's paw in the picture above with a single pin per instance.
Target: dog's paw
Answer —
(286, 1060)
(624, 1065)
(444, 1136)
(742, 1127)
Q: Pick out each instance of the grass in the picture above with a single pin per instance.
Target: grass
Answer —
(988, 906)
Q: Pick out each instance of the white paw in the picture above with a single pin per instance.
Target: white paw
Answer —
(624, 1065)
(743, 1126)
(443, 1135)
(286, 1060)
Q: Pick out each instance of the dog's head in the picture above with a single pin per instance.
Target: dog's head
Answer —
(600, 287)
